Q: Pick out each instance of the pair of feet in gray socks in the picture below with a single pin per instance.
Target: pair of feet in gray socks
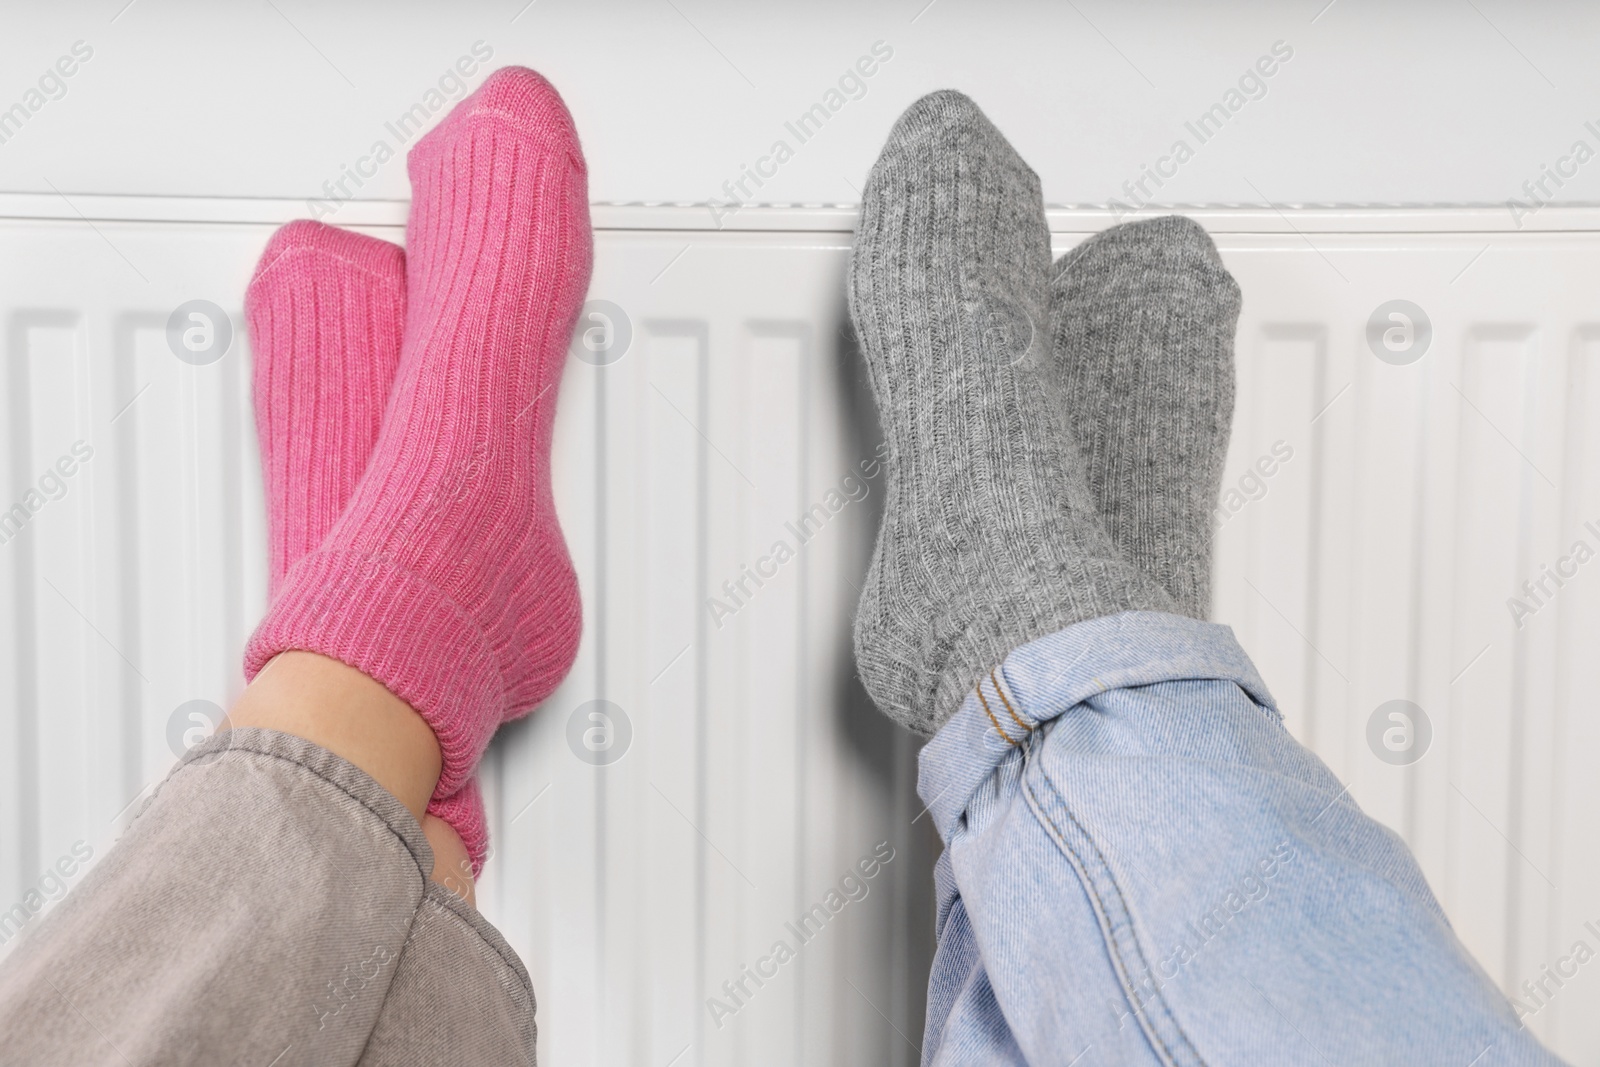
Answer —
(1056, 433)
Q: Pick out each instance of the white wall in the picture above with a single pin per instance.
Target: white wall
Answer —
(1417, 102)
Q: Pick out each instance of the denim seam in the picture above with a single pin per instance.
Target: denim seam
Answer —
(992, 720)
(1103, 912)
(994, 677)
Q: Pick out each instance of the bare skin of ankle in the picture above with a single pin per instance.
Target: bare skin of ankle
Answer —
(356, 718)
(452, 866)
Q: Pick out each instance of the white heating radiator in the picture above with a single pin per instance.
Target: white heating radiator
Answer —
(1408, 499)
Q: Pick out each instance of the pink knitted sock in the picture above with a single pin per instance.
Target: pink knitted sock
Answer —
(463, 810)
(446, 578)
(326, 308)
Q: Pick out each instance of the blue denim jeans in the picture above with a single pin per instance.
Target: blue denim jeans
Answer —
(1141, 866)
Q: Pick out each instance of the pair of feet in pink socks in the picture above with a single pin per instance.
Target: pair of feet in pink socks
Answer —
(404, 402)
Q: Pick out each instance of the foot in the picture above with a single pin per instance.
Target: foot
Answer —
(1142, 320)
(446, 577)
(355, 718)
(463, 812)
(990, 538)
(453, 866)
(350, 715)
(326, 311)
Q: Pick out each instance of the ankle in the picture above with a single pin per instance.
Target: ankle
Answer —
(452, 866)
(350, 715)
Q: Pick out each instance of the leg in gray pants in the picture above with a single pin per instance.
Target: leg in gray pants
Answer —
(269, 905)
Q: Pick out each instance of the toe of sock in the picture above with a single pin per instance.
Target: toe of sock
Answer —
(301, 239)
(516, 98)
(945, 119)
(523, 92)
(948, 178)
(1173, 243)
(942, 107)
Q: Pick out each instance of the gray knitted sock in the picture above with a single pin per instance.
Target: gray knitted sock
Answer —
(990, 537)
(1142, 318)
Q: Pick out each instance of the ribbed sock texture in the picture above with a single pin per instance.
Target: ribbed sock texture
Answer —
(990, 537)
(463, 811)
(1142, 322)
(447, 578)
(326, 310)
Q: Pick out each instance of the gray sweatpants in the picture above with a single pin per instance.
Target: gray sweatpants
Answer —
(269, 905)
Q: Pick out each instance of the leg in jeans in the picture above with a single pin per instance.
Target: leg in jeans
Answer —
(1142, 867)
